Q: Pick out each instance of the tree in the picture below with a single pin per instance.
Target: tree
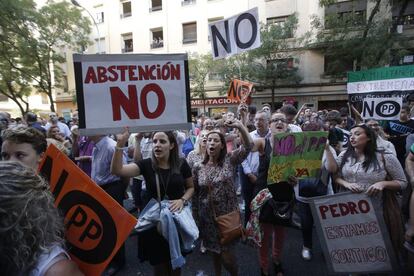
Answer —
(356, 39)
(200, 66)
(273, 64)
(33, 42)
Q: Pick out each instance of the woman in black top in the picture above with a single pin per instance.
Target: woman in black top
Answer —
(176, 185)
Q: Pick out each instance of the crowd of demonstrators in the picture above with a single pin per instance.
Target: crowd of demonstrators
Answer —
(231, 150)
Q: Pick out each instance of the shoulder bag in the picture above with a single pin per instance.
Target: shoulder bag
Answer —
(278, 212)
(229, 225)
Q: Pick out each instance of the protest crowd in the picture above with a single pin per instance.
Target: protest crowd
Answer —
(185, 184)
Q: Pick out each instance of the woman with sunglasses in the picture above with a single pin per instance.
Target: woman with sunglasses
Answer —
(282, 191)
(197, 155)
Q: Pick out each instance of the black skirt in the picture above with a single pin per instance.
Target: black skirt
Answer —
(153, 247)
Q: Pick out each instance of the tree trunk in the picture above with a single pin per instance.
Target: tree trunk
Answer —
(52, 102)
(273, 96)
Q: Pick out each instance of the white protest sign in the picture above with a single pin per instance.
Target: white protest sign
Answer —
(236, 34)
(352, 233)
(142, 91)
(382, 108)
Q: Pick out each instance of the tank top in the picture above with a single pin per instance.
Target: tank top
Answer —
(47, 259)
(281, 191)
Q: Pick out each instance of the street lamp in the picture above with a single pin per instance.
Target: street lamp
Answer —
(74, 2)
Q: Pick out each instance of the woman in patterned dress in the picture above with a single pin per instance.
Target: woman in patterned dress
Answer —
(217, 172)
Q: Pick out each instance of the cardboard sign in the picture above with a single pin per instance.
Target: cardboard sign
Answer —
(353, 234)
(143, 92)
(296, 154)
(382, 108)
(96, 225)
(235, 35)
(239, 90)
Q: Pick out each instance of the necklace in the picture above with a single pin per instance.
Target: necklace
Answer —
(165, 181)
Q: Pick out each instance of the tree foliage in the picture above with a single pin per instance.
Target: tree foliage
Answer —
(357, 39)
(32, 45)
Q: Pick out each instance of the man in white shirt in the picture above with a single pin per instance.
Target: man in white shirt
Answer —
(63, 128)
(250, 166)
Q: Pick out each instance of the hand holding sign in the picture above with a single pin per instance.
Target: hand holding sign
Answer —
(122, 138)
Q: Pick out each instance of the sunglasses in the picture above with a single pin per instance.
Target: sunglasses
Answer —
(276, 120)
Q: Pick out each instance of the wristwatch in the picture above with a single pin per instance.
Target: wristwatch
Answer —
(185, 201)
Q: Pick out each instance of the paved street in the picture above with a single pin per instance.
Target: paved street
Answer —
(247, 259)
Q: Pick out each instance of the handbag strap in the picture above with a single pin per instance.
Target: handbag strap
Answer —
(157, 182)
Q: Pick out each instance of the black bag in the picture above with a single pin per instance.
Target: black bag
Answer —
(277, 212)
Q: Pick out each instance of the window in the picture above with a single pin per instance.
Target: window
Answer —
(99, 17)
(100, 45)
(280, 22)
(407, 17)
(211, 20)
(189, 33)
(126, 9)
(156, 5)
(128, 45)
(334, 65)
(157, 38)
(281, 64)
(404, 20)
(347, 13)
(187, 2)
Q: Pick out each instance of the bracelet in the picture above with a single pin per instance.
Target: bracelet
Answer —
(119, 148)
(185, 201)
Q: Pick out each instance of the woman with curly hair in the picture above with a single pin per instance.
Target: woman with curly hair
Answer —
(56, 138)
(23, 144)
(31, 229)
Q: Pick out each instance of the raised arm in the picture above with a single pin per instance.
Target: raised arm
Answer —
(117, 168)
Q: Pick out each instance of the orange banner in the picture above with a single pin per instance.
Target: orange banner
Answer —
(239, 90)
(96, 225)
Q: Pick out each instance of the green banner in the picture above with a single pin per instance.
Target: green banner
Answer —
(296, 154)
(383, 73)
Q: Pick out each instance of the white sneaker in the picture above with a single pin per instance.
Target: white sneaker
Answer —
(306, 254)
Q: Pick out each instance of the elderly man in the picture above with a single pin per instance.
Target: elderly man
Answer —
(249, 167)
(53, 121)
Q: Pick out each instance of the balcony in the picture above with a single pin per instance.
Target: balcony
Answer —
(156, 8)
(157, 44)
(188, 2)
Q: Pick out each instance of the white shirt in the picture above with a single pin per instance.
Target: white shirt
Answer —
(251, 163)
(294, 128)
(63, 128)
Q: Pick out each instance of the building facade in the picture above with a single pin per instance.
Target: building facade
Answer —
(160, 26)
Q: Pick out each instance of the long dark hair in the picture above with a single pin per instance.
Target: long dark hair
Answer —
(223, 151)
(174, 159)
(370, 149)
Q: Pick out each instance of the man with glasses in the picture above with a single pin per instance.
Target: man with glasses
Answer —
(248, 173)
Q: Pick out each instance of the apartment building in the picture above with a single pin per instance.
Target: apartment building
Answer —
(176, 26)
